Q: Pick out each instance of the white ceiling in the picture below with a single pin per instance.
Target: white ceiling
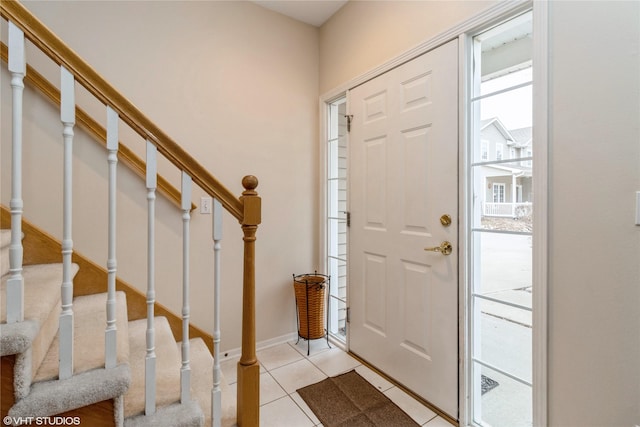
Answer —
(314, 12)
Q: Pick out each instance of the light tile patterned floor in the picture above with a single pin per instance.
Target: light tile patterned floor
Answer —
(286, 367)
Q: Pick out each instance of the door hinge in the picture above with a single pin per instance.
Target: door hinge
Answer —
(349, 119)
(348, 218)
(348, 314)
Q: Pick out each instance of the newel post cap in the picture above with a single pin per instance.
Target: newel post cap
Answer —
(251, 201)
(250, 183)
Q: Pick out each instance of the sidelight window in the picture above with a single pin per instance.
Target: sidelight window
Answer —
(500, 226)
(336, 227)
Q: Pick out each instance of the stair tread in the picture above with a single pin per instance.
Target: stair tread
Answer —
(90, 320)
(202, 383)
(167, 366)
(55, 397)
(41, 297)
(176, 414)
(5, 241)
(5, 237)
(41, 290)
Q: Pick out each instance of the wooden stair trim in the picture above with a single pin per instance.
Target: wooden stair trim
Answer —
(42, 248)
(99, 133)
(7, 364)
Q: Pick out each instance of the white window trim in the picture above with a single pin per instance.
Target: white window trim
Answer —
(491, 15)
(519, 190)
(540, 210)
(484, 150)
(324, 202)
(499, 149)
(540, 218)
(497, 185)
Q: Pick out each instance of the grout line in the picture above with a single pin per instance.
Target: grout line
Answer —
(279, 385)
(429, 420)
(308, 358)
(303, 411)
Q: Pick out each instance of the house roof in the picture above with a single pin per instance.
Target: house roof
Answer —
(518, 138)
(521, 137)
(498, 125)
(512, 169)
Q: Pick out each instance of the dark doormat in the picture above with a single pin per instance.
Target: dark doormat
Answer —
(350, 400)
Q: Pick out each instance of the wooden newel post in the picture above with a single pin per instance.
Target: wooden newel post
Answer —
(248, 367)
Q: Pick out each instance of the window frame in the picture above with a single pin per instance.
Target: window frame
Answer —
(499, 151)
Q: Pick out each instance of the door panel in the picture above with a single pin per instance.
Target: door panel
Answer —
(375, 310)
(375, 169)
(403, 177)
(416, 206)
(416, 320)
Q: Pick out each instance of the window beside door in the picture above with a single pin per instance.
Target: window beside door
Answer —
(336, 227)
(500, 229)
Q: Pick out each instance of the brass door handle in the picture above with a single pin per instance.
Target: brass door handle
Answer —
(445, 248)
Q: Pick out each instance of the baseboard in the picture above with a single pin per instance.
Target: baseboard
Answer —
(261, 345)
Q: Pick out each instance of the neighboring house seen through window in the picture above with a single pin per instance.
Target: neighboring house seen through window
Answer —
(498, 193)
(485, 150)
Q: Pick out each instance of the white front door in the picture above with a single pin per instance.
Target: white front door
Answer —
(403, 178)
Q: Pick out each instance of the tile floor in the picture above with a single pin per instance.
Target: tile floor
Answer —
(286, 368)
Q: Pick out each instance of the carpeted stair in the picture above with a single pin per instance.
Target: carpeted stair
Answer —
(5, 240)
(34, 342)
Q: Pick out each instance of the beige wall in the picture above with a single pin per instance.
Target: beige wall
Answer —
(236, 85)
(365, 34)
(594, 247)
(594, 277)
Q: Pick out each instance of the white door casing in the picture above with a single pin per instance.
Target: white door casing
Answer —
(403, 177)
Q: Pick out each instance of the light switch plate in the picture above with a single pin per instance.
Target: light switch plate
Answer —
(205, 205)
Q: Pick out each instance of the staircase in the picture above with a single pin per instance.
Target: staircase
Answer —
(33, 347)
(88, 358)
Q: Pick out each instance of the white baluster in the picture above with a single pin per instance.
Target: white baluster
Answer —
(67, 116)
(185, 371)
(216, 392)
(111, 332)
(150, 360)
(15, 284)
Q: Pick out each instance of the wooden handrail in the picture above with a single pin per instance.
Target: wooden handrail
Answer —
(35, 31)
(246, 209)
(99, 133)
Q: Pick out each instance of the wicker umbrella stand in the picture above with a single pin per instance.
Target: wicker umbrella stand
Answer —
(311, 291)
